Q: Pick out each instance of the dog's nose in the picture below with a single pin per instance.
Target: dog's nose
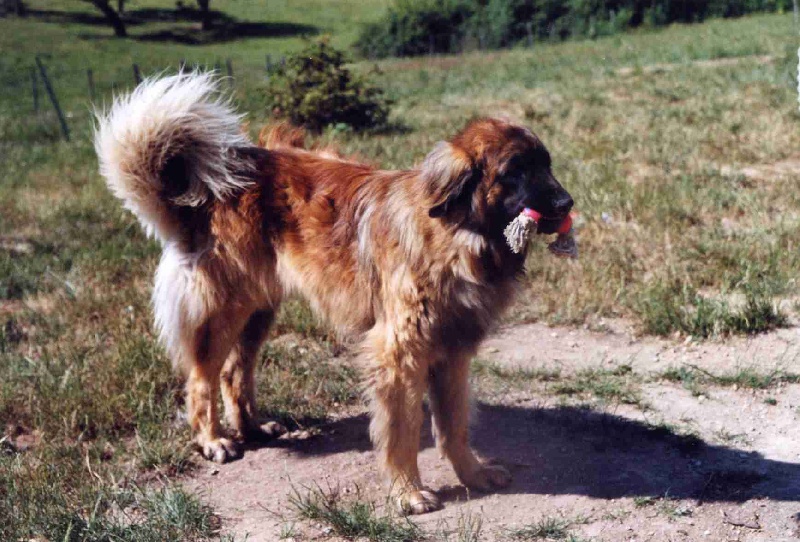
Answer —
(563, 205)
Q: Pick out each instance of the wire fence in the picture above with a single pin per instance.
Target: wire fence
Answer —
(52, 93)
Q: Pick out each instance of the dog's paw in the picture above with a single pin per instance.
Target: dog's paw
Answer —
(221, 450)
(487, 476)
(262, 433)
(420, 501)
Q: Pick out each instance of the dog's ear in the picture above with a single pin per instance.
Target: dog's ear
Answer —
(449, 175)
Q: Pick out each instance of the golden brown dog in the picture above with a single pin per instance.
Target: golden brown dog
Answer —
(413, 261)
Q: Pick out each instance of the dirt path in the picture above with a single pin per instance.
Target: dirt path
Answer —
(721, 465)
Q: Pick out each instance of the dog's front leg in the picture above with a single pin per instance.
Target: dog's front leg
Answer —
(449, 397)
(397, 387)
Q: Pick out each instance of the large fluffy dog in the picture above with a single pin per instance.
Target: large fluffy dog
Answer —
(413, 261)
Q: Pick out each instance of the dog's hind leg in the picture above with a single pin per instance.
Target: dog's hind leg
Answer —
(449, 398)
(214, 340)
(238, 383)
(397, 385)
(199, 326)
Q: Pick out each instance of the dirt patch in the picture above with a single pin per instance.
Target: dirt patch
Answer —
(444, 62)
(712, 63)
(718, 466)
(785, 169)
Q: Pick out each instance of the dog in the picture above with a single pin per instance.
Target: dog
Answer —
(413, 262)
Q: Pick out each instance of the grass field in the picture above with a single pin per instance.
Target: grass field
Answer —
(667, 140)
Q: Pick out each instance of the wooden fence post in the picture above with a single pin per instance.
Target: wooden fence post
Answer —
(137, 76)
(35, 90)
(90, 80)
(52, 94)
(229, 68)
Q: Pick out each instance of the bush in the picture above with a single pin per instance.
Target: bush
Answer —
(415, 27)
(313, 89)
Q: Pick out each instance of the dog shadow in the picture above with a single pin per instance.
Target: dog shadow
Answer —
(570, 450)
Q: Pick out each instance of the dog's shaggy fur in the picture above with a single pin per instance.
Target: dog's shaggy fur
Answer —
(412, 261)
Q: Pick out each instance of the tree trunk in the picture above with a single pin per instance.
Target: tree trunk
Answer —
(796, 12)
(19, 7)
(112, 16)
(205, 13)
(121, 7)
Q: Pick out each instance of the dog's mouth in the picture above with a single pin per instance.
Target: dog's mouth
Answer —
(547, 225)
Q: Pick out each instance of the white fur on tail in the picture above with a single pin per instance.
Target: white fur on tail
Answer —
(179, 116)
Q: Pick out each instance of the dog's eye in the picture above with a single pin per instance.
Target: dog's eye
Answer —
(512, 178)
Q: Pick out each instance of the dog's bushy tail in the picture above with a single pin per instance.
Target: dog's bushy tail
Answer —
(170, 144)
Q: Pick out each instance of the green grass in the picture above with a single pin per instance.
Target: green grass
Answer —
(666, 310)
(485, 368)
(300, 383)
(617, 385)
(39, 502)
(695, 379)
(548, 528)
(353, 519)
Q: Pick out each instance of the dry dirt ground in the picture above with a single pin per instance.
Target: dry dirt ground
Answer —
(722, 464)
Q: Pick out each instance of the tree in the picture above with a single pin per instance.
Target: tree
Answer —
(17, 7)
(205, 13)
(113, 17)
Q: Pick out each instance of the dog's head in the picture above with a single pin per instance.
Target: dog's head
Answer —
(488, 173)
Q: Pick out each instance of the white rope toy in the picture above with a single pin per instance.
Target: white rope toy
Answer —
(519, 231)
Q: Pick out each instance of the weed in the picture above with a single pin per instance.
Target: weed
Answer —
(299, 384)
(693, 377)
(481, 367)
(469, 528)
(690, 379)
(616, 385)
(667, 309)
(353, 519)
(547, 528)
(37, 502)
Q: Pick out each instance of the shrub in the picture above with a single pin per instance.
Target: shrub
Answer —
(417, 27)
(414, 27)
(314, 89)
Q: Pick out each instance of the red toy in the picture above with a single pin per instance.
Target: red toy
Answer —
(519, 230)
